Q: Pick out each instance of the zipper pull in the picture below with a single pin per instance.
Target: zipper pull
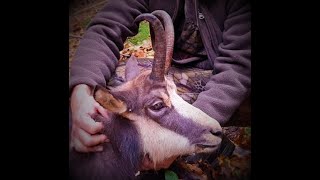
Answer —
(200, 15)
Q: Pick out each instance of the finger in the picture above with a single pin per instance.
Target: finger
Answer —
(89, 125)
(91, 140)
(78, 146)
(101, 110)
(71, 145)
(107, 140)
(73, 136)
(96, 148)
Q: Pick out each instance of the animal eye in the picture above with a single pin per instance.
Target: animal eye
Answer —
(157, 106)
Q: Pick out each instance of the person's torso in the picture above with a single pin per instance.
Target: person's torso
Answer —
(191, 37)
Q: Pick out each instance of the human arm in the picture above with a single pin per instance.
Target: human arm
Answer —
(231, 83)
(94, 63)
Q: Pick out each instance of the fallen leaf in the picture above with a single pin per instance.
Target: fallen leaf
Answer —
(140, 54)
(170, 175)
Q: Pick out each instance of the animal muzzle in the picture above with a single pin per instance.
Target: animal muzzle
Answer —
(211, 140)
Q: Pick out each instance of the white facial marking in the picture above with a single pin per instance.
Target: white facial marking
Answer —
(160, 142)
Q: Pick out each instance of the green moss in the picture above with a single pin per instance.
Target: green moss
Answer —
(143, 34)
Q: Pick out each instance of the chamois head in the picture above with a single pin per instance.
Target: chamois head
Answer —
(167, 125)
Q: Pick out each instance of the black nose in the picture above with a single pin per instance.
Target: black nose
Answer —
(216, 133)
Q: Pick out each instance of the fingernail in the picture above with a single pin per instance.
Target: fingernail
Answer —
(107, 140)
(100, 148)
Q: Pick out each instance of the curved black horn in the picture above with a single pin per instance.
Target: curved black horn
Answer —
(169, 34)
(158, 67)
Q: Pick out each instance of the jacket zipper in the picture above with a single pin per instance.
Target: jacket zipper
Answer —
(175, 12)
(200, 15)
(207, 41)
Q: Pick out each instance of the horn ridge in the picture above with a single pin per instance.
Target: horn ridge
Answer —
(169, 34)
(158, 66)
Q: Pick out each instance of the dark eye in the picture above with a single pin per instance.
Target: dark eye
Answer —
(157, 106)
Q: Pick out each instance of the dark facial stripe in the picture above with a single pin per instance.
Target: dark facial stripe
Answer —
(184, 126)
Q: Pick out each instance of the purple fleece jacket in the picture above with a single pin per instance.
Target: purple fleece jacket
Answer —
(226, 27)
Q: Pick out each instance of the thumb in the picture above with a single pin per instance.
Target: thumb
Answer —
(101, 110)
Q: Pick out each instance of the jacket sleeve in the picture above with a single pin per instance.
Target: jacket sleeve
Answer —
(98, 52)
(231, 82)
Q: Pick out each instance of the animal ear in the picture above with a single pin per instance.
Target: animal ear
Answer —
(132, 68)
(108, 101)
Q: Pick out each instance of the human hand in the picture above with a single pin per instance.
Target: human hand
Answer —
(85, 135)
